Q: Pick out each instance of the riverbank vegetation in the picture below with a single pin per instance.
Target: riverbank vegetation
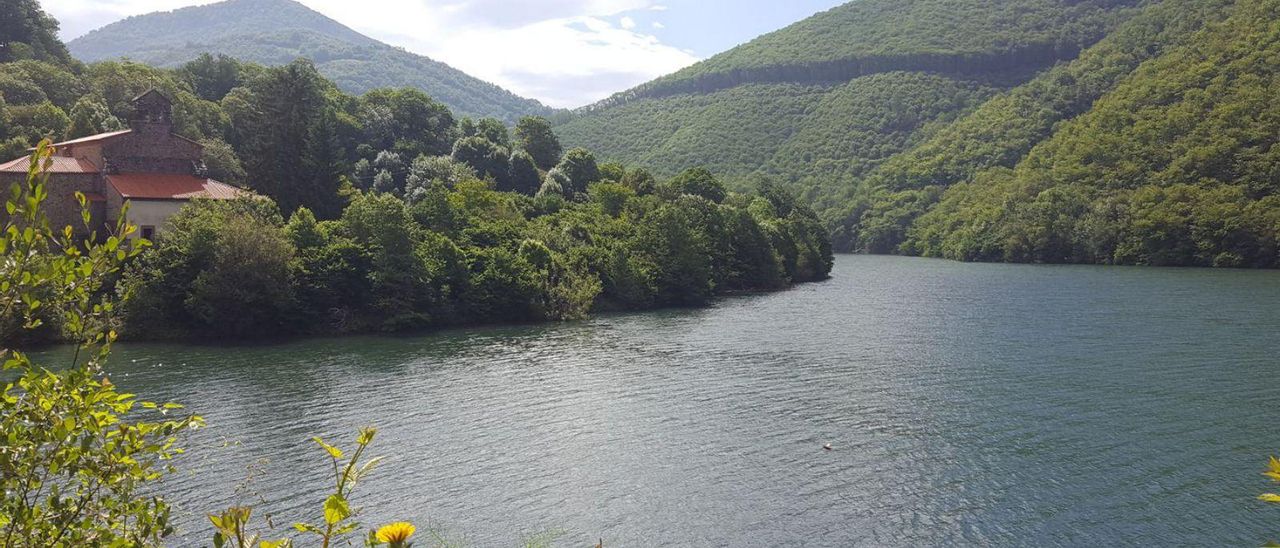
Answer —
(465, 253)
(383, 212)
(80, 459)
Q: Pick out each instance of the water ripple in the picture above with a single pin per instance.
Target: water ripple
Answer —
(966, 404)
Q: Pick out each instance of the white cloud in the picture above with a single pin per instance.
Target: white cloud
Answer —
(563, 52)
(658, 25)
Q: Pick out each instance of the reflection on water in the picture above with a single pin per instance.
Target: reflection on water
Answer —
(966, 404)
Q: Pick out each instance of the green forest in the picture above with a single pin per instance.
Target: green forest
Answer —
(276, 32)
(387, 213)
(1096, 132)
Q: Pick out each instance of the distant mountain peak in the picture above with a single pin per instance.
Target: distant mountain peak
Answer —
(275, 32)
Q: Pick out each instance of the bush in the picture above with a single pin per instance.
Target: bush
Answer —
(78, 457)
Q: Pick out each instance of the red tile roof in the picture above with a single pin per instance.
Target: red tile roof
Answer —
(93, 138)
(61, 164)
(163, 186)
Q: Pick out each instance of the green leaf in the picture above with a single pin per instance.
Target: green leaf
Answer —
(333, 451)
(336, 509)
(307, 528)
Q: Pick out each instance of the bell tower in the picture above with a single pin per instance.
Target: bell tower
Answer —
(152, 113)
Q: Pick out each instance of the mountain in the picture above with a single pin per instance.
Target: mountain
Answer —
(1177, 163)
(824, 101)
(275, 32)
(978, 130)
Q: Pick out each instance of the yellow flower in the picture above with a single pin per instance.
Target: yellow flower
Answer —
(395, 533)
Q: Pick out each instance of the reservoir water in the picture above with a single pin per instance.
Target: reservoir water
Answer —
(969, 404)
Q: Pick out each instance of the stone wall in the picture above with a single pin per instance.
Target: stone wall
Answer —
(61, 206)
(151, 149)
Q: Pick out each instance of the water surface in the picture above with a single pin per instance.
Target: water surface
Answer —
(965, 403)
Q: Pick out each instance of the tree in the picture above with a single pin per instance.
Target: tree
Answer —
(89, 116)
(524, 177)
(288, 136)
(417, 124)
(5, 120)
(675, 255)
(29, 33)
(427, 171)
(640, 181)
(467, 128)
(362, 173)
(221, 162)
(494, 130)
(17, 89)
(612, 171)
(246, 292)
(388, 169)
(12, 148)
(487, 158)
(555, 184)
(502, 286)
(325, 168)
(401, 291)
(36, 122)
(697, 182)
(534, 135)
(753, 262)
(579, 165)
(384, 181)
(612, 197)
(212, 77)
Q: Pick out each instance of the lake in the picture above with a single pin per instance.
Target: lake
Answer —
(967, 404)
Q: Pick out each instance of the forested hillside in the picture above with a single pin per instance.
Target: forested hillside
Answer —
(874, 213)
(872, 36)
(276, 32)
(1178, 164)
(887, 74)
(1106, 132)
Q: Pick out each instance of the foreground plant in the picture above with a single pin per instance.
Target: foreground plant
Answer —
(396, 535)
(75, 454)
(339, 516)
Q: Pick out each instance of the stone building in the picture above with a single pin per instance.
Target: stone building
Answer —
(147, 165)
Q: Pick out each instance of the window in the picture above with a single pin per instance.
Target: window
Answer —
(148, 232)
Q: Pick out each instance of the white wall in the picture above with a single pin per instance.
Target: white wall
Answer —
(152, 213)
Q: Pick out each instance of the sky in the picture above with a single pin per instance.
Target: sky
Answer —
(565, 53)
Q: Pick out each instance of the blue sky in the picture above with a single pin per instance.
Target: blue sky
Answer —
(566, 53)
(708, 27)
